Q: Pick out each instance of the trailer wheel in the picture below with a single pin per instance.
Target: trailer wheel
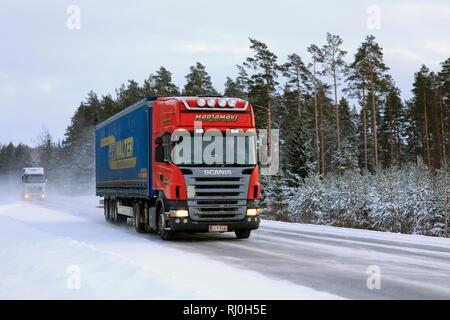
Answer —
(138, 225)
(164, 234)
(107, 209)
(113, 210)
(243, 234)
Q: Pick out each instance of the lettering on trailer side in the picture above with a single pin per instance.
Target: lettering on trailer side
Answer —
(120, 153)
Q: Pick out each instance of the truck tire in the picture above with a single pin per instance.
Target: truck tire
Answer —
(107, 209)
(138, 225)
(163, 233)
(113, 211)
(242, 234)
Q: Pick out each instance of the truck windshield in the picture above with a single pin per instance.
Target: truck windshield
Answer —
(214, 148)
(34, 178)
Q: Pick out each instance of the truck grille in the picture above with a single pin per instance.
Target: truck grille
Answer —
(34, 189)
(218, 196)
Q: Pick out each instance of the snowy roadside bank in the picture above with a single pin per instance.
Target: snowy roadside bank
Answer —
(359, 233)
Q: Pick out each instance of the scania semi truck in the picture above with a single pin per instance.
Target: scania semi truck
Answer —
(33, 183)
(180, 164)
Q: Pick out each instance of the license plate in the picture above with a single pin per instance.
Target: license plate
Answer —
(218, 228)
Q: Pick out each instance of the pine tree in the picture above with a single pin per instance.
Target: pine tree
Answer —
(317, 57)
(298, 75)
(358, 79)
(242, 82)
(348, 119)
(198, 82)
(264, 63)
(231, 88)
(21, 158)
(391, 126)
(109, 107)
(345, 158)
(333, 58)
(45, 149)
(163, 85)
(443, 79)
(322, 101)
(6, 158)
(129, 95)
(238, 88)
(375, 66)
(13, 159)
(298, 155)
(422, 101)
(443, 94)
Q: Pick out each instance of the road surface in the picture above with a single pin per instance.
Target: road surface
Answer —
(347, 263)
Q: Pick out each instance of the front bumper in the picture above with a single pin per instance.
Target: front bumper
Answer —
(187, 225)
(33, 196)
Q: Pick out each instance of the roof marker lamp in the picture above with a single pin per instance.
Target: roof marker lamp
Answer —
(201, 102)
(232, 103)
(211, 103)
(222, 103)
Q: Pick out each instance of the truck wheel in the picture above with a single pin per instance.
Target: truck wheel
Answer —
(113, 210)
(107, 209)
(138, 225)
(243, 234)
(164, 234)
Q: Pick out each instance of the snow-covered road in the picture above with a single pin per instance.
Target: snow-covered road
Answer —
(45, 245)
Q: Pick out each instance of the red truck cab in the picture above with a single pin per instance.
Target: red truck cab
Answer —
(201, 187)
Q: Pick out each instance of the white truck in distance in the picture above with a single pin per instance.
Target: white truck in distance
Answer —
(33, 183)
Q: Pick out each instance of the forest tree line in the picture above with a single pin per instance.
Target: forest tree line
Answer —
(341, 118)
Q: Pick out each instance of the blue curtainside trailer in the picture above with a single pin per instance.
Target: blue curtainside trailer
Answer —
(123, 149)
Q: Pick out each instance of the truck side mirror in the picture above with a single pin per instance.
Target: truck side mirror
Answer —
(159, 153)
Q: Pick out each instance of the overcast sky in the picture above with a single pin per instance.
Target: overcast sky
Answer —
(47, 68)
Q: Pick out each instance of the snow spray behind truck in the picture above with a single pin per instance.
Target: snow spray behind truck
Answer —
(180, 164)
(33, 183)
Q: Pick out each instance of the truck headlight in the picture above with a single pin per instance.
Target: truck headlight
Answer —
(180, 213)
(253, 212)
(43, 196)
(26, 196)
